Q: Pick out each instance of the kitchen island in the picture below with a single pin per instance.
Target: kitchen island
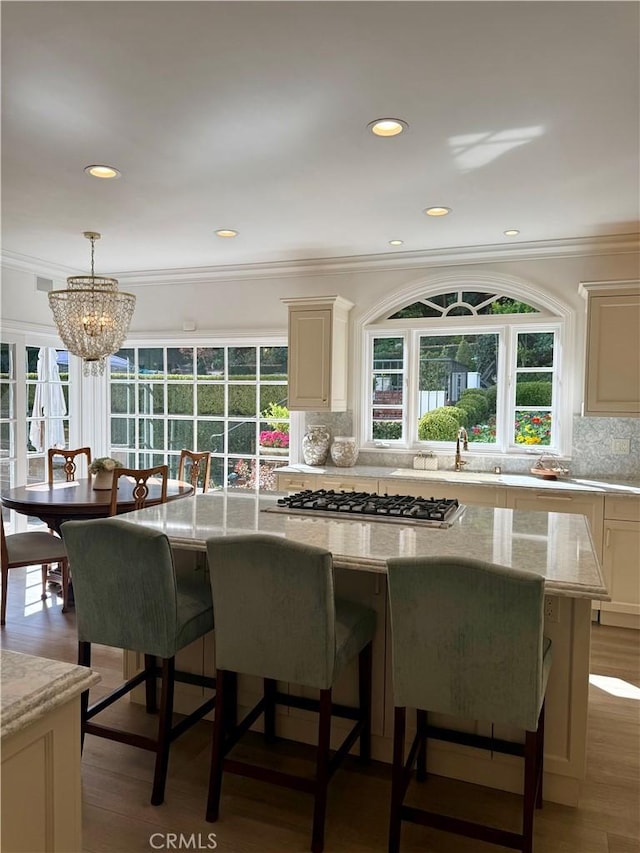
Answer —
(557, 545)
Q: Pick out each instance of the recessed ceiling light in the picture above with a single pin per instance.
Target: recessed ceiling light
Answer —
(396, 242)
(437, 211)
(387, 126)
(226, 232)
(102, 171)
(511, 232)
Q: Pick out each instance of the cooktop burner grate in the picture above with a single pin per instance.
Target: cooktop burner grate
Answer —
(436, 512)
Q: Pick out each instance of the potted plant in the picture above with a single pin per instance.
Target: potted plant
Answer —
(103, 468)
(275, 441)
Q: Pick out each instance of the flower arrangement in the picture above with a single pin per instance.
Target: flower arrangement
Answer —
(104, 463)
(274, 438)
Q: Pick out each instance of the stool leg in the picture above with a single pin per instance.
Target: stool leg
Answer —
(365, 668)
(270, 686)
(397, 778)
(540, 755)
(322, 772)
(84, 659)
(44, 569)
(421, 758)
(64, 572)
(150, 684)
(164, 731)
(217, 750)
(530, 775)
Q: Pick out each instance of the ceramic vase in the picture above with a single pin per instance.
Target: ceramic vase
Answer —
(103, 480)
(344, 451)
(315, 445)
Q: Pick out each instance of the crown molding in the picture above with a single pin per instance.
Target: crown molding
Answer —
(496, 253)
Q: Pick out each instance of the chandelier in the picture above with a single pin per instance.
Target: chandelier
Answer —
(92, 316)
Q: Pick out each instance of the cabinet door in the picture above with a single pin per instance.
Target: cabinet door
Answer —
(296, 482)
(348, 483)
(546, 501)
(621, 565)
(310, 359)
(613, 364)
(475, 495)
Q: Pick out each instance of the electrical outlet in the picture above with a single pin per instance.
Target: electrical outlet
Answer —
(620, 446)
(551, 608)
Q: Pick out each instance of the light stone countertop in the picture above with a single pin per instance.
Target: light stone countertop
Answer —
(476, 478)
(31, 687)
(557, 545)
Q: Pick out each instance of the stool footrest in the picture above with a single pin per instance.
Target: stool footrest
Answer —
(491, 744)
(265, 774)
(463, 827)
(305, 703)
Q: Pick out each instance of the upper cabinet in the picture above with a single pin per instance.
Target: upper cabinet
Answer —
(612, 371)
(318, 337)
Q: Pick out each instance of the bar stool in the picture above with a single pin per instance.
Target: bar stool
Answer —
(467, 640)
(277, 618)
(129, 596)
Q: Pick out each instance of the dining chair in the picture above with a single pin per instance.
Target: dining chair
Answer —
(70, 464)
(197, 464)
(32, 548)
(277, 618)
(130, 596)
(467, 641)
(140, 486)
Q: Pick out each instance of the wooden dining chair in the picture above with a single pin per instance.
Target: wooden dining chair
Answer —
(32, 548)
(196, 464)
(70, 465)
(140, 486)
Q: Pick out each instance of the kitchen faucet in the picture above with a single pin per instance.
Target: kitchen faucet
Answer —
(462, 434)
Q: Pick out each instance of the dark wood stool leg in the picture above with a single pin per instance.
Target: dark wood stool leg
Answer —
(540, 752)
(397, 778)
(150, 684)
(365, 670)
(44, 569)
(64, 570)
(164, 731)
(84, 659)
(322, 772)
(217, 749)
(530, 776)
(421, 758)
(270, 686)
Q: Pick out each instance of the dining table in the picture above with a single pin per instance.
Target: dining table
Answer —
(60, 501)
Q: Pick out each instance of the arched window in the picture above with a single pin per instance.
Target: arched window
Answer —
(479, 359)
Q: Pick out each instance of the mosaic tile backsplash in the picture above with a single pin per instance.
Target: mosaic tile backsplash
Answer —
(592, 453)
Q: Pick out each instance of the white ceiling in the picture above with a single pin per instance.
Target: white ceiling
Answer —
(253, 116)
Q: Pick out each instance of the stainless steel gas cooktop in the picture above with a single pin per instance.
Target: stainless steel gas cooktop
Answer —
(369, 506)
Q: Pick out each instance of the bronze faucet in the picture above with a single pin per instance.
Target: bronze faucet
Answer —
(462, 434)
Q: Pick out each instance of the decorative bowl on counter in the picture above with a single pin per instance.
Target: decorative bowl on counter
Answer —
(549, 469)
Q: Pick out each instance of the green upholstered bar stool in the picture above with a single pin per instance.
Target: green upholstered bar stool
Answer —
(467, 639)
(277, 618)
(129, 596)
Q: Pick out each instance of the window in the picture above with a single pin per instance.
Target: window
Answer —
(228, 400)
(8, 422)
(47, 386)
(478, 360)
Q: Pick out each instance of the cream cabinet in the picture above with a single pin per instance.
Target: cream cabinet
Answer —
(318, 353)
(621, 561)
(612, 369)
(465, 494)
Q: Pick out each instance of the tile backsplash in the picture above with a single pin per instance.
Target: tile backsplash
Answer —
(592, 452)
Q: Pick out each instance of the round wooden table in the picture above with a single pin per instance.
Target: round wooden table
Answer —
(62, 501)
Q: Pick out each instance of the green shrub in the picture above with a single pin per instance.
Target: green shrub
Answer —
(460, 414)
(387, 430)
(438, 425)
(275, 416)
(490, 395)
(475, 401)
(537, 393)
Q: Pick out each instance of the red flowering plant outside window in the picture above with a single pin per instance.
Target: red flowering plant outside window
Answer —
(274, 438)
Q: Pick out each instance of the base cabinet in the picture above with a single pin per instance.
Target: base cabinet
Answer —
(621, 562)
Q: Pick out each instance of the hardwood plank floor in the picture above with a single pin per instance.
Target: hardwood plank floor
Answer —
(257, 818)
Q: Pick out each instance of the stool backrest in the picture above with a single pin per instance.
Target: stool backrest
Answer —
(124, 585)
(70, 464)
(273, 608)
(467, 639)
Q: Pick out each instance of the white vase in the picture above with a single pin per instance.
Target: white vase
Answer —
(103, 480)
(344, 451)
(315, 444)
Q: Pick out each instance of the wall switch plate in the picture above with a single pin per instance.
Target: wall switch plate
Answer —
(550, 608)
(620, 446)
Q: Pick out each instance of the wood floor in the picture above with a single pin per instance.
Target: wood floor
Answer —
(256, 818)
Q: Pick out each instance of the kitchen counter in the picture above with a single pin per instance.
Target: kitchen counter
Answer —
(557, 545)
(479, 478)
(40, 727)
